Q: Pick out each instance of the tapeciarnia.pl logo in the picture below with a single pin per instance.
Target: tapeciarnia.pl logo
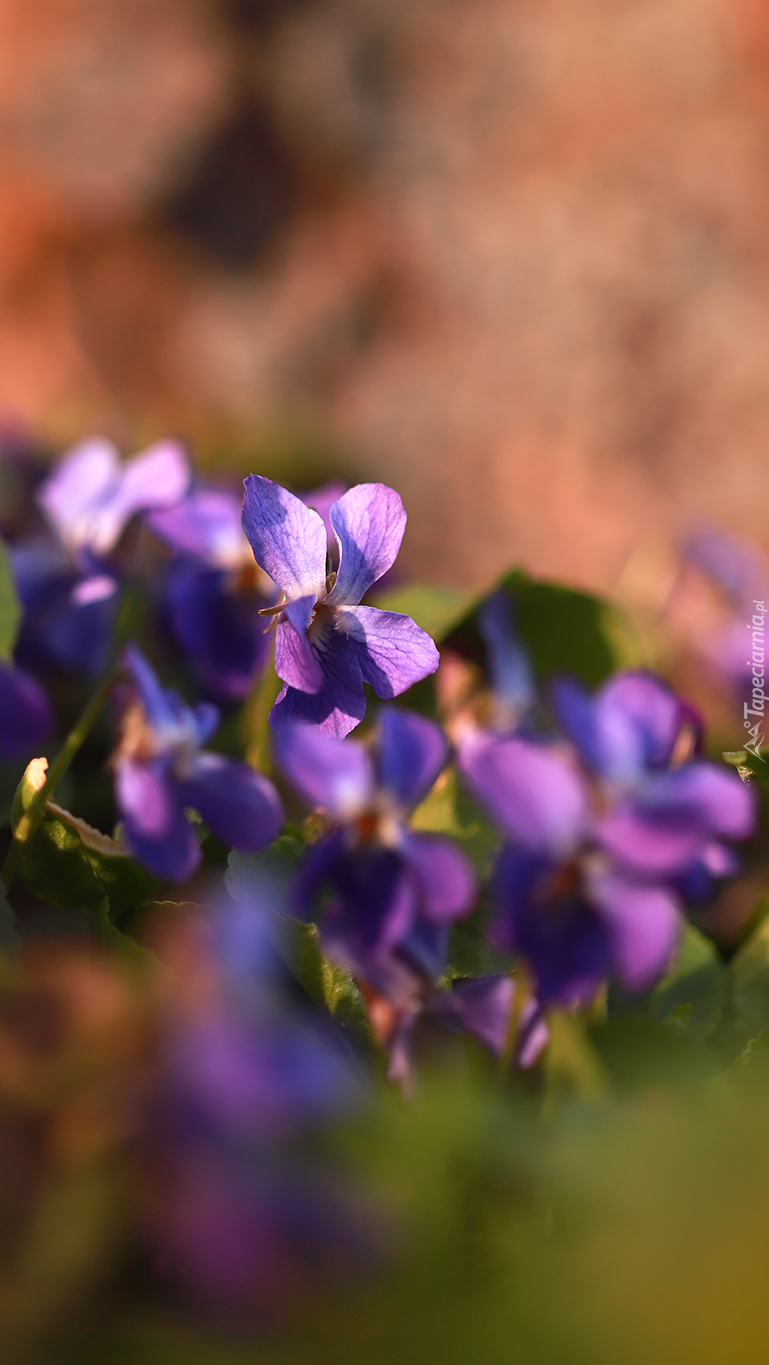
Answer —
(757, 704)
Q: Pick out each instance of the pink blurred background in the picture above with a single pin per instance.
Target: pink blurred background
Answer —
(509, 255)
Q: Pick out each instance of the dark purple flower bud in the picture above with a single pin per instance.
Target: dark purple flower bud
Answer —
(161, 769)
(26, 717)
(326, 645)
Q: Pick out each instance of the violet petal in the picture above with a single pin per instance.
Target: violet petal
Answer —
(241, 806)
(445, 877)
(369, 521)
(326, 771)
(643, 926)
(295, 660)
(393, 651)
(156, 828)
(341, 704)
(158, 477)
(287, 538)
(533, 793)
(411, 753)
(77, 487)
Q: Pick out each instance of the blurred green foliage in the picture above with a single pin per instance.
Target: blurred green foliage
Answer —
(10, 607)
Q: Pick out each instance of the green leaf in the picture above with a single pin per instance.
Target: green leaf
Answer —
(436, 610)
(642, 1053)
(691, 993)
(745, 998)
(565, 631)
(10, 607)
(73, 866)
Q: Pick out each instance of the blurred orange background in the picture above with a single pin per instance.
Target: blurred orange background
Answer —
(508, 255)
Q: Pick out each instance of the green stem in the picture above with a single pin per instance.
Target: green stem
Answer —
(32, 818)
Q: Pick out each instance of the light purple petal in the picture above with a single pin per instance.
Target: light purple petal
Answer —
(287, 538)
(532, 793)
(639, 720)
(723, 803)
(675, 815)
(631, 724)
(483, 1006)
(326, 771)
(147, 798)
(156, 827)
(649, 842)
(206, 524)
(644, 928)
(241, 806)
(446, 879)
(369, 522)
(533, 1035)
(411, 753)
(295, 660)
(70, 496)
(158, 477)
(393, 651)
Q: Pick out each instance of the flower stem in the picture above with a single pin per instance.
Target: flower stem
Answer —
(32, 818)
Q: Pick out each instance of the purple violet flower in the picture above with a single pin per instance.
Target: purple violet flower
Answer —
(26, 716)
(160, 770)
(326, 645)
(395, 893)
(665, 808)
(215, 591)
(68, 584)
(586, 884)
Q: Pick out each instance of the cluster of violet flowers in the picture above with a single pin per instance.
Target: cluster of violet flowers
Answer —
(612, 822)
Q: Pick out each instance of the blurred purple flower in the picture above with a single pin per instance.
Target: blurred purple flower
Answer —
(739, 572)
(68, 584)
(26, 717)
(326, 645)
(395, 892)
(585, 886)
(160, 770)
(215, 591)
(666, 808)
(482, 1006)
(239, 1210)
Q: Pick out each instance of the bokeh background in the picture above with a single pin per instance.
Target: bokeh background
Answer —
(508, 255)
